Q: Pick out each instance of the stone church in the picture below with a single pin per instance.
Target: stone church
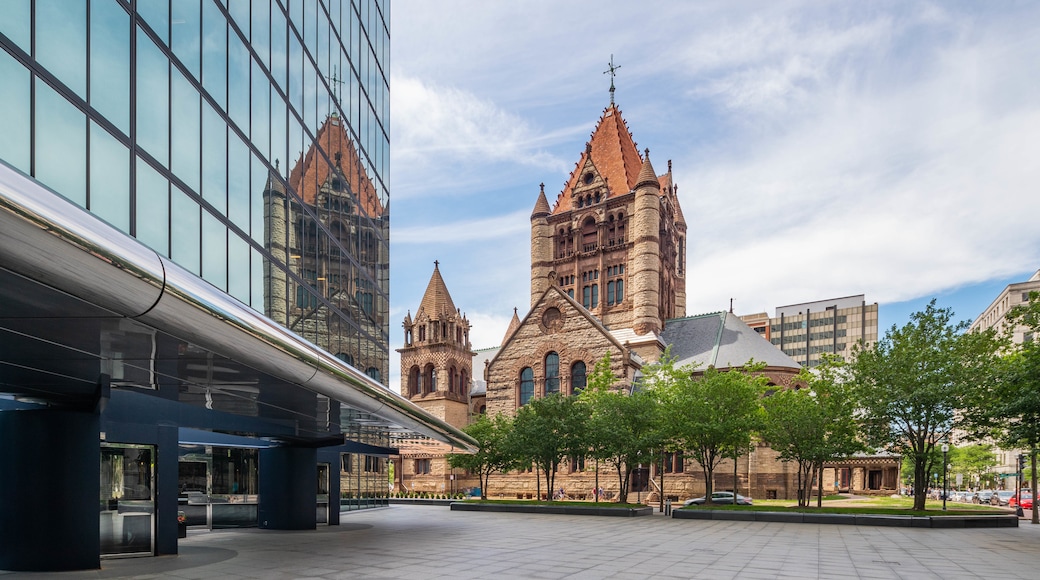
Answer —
(608, 275)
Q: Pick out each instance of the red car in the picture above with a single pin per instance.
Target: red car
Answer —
(1025, 499)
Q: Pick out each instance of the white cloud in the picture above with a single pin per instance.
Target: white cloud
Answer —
(432, 121)
(467, 231)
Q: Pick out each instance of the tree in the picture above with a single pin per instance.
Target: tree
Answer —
(708, 415)
(1013, 409)
(546, 431)
(914, 383)
(972, 461)
(623, 429)
(493, 454)
(813, 423)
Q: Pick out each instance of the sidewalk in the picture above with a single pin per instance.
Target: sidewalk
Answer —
(421, 542)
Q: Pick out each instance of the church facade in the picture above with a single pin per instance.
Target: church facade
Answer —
(608, 275)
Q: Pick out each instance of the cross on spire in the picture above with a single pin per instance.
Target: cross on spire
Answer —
(335, 80)
(612, 71)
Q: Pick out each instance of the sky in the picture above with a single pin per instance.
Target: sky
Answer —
(821, 149)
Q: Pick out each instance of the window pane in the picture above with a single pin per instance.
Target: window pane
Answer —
(238, 182)
(214, 54)
(214, 159)
(186, 40)
(109, 178)
(238, 268)
(17, 24)
(185, 239)
(110, 63)
(185, 160)
(61, 41)
(256, 277)
(238, 83)
(61, 145)
(260, 134)
(153, 107)
(15, 94)
(256, 211)
(279, 47)
(214, 251)
(157, 14)
(153, 209)
(260, 36)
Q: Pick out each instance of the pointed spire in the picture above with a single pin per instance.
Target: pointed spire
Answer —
(436, 300)
(541, 207)
(513, 325)
(647, 176)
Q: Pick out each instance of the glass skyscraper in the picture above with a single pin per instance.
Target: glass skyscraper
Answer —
(174, 123)
(194, 271)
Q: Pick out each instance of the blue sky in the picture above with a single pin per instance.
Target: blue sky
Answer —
(821, 149)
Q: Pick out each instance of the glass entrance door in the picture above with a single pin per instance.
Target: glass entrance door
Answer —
(127, 499)
(323, 493)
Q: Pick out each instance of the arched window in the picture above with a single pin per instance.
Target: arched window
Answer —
(526, 385)
(451, 379)
(345, 358)
(482, 409)
(578, 377)
(463, 382)
(552, 373)
(429, 379)
(374, 373)
(414, 381)
(588, 235)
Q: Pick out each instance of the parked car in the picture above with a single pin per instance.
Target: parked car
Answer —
(1025, 499)
(1001, 498)
(722, 497)
(982, 496)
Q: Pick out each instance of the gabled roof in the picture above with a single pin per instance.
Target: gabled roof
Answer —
(333, 146)
(614, 154)
(721, 340)
(514, 324)
(436, 300)
(595, 322)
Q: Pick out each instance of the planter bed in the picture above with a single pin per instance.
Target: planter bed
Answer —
(570, 510)
(958, 521)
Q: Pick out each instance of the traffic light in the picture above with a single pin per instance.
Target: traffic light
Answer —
(1021, 462)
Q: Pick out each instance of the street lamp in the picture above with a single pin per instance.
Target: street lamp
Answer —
(945, 450)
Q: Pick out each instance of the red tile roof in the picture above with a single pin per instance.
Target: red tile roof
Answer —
(613, 152)
(312, 170)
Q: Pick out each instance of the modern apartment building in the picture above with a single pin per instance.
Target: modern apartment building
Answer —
(805, 331)
(193, 272)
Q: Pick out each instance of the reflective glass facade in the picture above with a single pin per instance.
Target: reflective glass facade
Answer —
(245, 140)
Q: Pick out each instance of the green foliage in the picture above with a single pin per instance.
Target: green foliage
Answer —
(914, 385)
(972, 461)
(493, 454)
(708, 415)
(813, 423)
(546, 431)
(622, 429)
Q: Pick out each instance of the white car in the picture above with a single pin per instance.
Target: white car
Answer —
(719, 497)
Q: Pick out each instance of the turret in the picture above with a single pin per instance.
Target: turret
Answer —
(645, 257)
(541, 246)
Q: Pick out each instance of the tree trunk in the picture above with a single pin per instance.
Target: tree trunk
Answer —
(819, 498)
(1032, 478)
(708, 487)
(920, 485)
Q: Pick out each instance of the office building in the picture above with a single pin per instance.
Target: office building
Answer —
(808, 330)
(193, 271)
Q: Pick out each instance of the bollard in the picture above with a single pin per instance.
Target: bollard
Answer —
(668, 507)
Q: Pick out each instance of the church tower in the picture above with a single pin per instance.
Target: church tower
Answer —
(614, 240)
(437, 358)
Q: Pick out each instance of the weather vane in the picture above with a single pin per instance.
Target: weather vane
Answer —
(611, 70)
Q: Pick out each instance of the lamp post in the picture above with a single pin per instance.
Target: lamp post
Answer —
(945, 450)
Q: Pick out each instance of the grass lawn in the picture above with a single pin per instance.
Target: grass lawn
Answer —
(601, 504)
(867, 505)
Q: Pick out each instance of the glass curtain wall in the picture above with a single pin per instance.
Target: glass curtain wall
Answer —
(246, 140)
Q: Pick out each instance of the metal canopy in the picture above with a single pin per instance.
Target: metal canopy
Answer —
(80, 300)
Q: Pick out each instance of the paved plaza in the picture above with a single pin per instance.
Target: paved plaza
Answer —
(433, 542)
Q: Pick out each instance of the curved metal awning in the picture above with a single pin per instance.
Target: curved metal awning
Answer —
(68, 277)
